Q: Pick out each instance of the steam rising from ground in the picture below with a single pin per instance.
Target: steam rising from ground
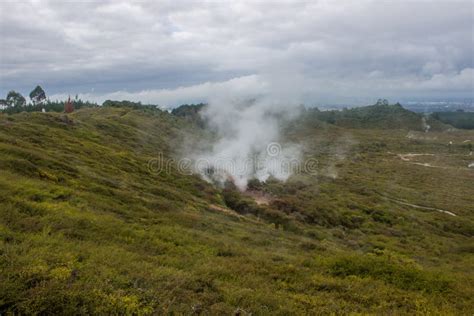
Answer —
(248, 141)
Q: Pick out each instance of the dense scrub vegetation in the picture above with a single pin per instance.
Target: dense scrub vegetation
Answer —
(188, 110)
(91, 225)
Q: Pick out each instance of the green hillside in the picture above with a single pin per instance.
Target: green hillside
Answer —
(88, 225)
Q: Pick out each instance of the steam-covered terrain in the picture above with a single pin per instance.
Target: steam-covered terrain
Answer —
(248, 168)
(246, 143)
(110, 210)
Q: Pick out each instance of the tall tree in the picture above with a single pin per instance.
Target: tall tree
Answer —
(38, 95)
(15, 99)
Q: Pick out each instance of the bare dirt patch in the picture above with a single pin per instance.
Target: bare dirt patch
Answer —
(261, 198)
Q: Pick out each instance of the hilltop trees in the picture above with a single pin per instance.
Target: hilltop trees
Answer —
(382, 102)
(15, 102)
(37, 95)
(190, 112)
(15, 99)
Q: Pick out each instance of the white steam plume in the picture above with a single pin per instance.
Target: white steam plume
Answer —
(248, 136)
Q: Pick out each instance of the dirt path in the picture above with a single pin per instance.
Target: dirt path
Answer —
(408, 157)
(221, 209)
(422, 207)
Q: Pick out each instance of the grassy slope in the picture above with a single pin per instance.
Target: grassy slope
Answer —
(85, 227)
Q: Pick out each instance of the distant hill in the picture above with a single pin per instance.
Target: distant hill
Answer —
(378, 116)
(458, 119)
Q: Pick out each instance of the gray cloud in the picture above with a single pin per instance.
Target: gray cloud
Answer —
(168, 52)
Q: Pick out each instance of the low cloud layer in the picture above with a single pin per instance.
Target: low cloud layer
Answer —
(175, 52)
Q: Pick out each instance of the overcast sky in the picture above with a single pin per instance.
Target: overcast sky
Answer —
(171, 52)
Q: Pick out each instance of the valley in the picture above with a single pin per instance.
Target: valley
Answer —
(384, 224)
